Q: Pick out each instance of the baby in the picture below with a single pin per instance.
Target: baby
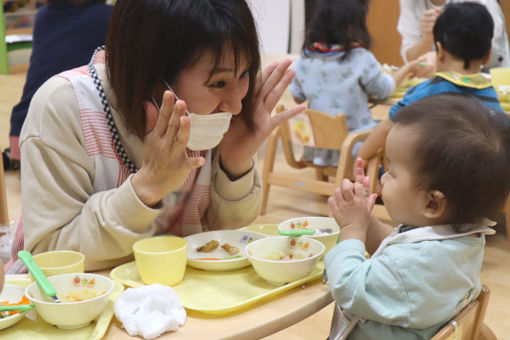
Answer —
(449, 157)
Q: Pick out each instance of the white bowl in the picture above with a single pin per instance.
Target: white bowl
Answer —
(329, 239)
(220, 259)
(11, 293)
(263, 253)
(71, 315)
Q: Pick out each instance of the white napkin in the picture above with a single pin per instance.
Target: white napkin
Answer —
(150, 311)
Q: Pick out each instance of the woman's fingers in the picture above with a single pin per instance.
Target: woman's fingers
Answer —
(165, 112)
(275, 77)
(282, 116)
(174, 124)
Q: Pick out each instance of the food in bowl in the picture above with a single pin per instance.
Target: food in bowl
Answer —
(220, 259)
(209, 246)
(232, 250)
(326, 229)
(271, 257)
(77, 307)
(10, 295)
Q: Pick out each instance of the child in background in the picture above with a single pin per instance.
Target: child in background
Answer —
(448, 173)
(68, 31)
(462, 36)
(336, 73)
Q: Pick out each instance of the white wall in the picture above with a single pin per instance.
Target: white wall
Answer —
(280, 24)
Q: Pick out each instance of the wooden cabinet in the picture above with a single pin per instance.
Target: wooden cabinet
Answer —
(382, 22)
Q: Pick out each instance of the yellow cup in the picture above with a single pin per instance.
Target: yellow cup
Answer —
(161, 259)
(57, 262)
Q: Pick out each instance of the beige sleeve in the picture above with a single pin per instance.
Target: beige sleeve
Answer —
(59, 206)
(236, 203)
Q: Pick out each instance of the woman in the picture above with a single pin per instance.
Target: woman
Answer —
(108, 147)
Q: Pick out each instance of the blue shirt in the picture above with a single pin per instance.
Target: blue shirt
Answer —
(64, 37)
(448, 82)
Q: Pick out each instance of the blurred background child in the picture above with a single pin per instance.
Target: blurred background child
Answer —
(448, 173)
(462, 35)
(69, 31)
(417, 18)
(336, 73)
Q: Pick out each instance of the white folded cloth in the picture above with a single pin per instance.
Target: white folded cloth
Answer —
(150, 311)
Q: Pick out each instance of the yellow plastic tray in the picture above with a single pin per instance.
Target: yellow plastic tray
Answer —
(217, 292)
(40, 330)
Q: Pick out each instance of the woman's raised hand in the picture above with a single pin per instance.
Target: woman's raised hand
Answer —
(240, 144)
(166, 165)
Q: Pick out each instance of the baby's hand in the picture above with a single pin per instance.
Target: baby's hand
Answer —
(350, 206)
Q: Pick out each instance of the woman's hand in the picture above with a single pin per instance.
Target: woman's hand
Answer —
(428, 20)
(239, 144)
(166, 165)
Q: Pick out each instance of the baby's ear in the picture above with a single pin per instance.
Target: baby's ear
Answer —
(435, 206)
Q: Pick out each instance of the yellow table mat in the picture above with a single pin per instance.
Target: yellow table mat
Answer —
(41, 330)
(218, 292)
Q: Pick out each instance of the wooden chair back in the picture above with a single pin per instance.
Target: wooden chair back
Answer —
(330, 132)
(468, 324)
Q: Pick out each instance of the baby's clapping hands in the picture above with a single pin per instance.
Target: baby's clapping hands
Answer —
(351, 205)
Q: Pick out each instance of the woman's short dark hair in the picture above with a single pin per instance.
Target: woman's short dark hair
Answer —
(465, 30)
(152, 40)
(463, 150)
(339, 22)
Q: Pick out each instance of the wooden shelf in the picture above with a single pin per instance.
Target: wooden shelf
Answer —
(27, 30)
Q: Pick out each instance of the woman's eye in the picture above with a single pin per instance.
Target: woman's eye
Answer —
(219, 84)
(245, 74)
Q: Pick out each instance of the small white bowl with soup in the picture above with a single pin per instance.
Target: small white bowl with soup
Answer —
(326, 229)
(283, 259)
(83, 297)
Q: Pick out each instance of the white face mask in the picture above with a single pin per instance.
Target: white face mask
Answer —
(206, 131)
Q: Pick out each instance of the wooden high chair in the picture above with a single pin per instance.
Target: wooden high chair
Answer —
(469, 322)
(506, 211)
(330, 132)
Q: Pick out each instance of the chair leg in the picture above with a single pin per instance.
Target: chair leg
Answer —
(507, 218)
(4, 216)
(486, 333)
(320, 176)
(265, 198)
(267, 169)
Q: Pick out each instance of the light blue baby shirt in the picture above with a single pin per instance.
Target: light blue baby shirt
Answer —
(333, 85)
(410, 290)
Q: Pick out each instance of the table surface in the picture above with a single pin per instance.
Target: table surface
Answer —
(255, 322)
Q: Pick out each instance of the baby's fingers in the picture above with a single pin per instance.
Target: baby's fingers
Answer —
(347, 190)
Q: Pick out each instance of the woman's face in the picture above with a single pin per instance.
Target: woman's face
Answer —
(221, 90)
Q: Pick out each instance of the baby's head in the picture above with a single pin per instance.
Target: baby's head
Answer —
(464, 30)
(449, 160)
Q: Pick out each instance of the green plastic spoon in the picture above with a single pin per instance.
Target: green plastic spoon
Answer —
(297, 232)
(17, 308)
(38, 275)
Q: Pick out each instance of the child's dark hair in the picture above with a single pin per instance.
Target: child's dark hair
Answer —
(339, 22)
(465, 30)
(463, 150)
